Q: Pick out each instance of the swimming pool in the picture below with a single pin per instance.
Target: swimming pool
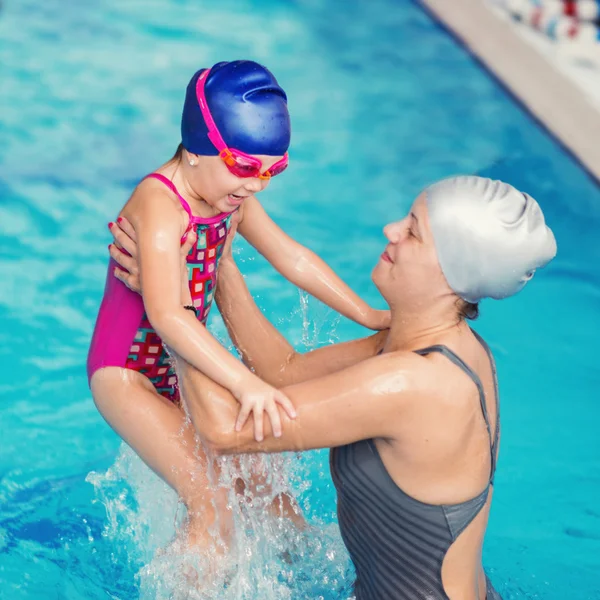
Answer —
(383, 102)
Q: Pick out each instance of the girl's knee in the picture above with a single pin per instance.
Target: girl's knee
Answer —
(200, 501)
(212, 519)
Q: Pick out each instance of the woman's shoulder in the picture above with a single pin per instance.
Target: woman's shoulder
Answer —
(447, 375)
(411, 363)
(402, 371)
(429, 376)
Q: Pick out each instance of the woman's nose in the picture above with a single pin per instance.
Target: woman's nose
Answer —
(393, 231)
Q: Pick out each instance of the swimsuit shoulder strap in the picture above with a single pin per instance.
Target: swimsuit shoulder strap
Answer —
(172, 187)
(454, 358)
(215, 220)
(497, 394)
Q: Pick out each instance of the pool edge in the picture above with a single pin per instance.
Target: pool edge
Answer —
(549, 95)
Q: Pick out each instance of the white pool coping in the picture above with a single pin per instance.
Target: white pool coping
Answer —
(552, 96)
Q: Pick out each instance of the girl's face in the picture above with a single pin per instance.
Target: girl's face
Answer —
(220, 188)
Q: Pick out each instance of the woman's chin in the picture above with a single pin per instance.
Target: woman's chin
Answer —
(379, 271)
(377, 277)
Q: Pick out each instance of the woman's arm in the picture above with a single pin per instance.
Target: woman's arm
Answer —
(368, 400)
(265, 350)
(304, 268)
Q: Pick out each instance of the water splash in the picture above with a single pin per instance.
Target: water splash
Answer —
(267, 555)
(270, 538)
(319, 322)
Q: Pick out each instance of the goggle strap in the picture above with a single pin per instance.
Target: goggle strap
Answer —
(213, 132)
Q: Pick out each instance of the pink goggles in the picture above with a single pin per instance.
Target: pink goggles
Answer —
(239, 163)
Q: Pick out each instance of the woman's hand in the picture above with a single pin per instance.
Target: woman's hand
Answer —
(124, 252)
(190, 241)
(235, 219)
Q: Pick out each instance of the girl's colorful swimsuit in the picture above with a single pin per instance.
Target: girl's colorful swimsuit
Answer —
(123, 336)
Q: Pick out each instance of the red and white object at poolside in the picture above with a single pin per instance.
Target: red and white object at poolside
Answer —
(573, 25)
(584, 10)
(531, 11)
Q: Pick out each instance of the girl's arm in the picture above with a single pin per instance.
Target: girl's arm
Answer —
(261, 345)
(265, 350)
(304, 268)
(159, 227)
(376, 398)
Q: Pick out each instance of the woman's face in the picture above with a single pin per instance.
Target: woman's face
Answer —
(408, 270)
(220, 188)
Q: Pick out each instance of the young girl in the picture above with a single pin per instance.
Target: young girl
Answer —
(235, 136)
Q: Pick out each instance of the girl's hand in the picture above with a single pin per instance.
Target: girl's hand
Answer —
(377, 319)
(256, 397)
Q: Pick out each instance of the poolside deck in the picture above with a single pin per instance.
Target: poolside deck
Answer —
(565, 108)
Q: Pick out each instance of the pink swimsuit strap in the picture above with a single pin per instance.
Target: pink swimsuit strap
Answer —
(193, 219)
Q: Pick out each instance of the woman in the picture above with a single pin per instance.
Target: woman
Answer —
(411, 414)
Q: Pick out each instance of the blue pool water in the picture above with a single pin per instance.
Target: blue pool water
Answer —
(383, 102)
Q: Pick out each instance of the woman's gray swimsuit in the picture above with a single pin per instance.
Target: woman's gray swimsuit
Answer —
(398, 544)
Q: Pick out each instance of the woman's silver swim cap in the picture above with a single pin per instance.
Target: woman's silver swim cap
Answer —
(490, 238)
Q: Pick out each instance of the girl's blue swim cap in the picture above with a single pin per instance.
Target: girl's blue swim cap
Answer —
(248, 106)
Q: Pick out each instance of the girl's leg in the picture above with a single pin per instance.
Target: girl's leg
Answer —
(160, 434)
(282, 506)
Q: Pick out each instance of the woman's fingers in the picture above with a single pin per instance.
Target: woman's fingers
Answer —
(121, 275)
(124, 260)
(232, 231)
(128, 279)
(122, 237)
(124, 253)
(127, 227)
(189, 242)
